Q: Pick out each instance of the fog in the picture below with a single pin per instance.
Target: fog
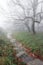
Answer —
(10, 11)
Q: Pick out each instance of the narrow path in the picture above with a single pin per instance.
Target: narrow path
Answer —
(23, 55)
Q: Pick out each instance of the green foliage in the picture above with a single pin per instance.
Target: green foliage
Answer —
(35, 42)
(6, 54)
(22, 63)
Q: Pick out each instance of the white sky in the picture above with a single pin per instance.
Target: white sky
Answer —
(5, 11)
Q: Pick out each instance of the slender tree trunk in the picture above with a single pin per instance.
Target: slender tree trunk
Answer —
(27, 27)
(33, 27)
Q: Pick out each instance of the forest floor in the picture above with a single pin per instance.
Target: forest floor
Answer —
(31, 42)
(30, 59)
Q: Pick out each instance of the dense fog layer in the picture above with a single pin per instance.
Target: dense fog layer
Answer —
(9, 12)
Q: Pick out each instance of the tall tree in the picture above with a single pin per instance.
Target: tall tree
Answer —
(34, 17)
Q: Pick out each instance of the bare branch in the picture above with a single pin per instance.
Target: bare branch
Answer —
(19, 4)
(40, 13)
(24, 18)
(36, 3)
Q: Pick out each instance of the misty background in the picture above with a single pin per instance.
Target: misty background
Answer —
(11, 12)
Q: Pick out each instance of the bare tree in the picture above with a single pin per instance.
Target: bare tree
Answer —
(34, 6)
(26, 18)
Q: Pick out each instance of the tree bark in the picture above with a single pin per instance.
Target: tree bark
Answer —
(27, 27)
(33, 27)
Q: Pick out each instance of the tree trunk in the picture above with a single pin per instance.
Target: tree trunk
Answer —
(33, 27)
(27, 27)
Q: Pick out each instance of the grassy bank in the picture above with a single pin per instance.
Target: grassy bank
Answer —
(8, 54)
(35, 42)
